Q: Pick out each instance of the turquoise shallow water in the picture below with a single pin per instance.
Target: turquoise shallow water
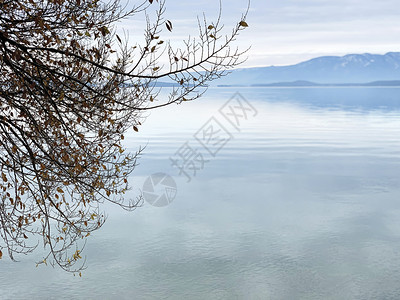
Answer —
(300, 202)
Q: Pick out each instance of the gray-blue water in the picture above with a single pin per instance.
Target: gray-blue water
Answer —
(298, 197)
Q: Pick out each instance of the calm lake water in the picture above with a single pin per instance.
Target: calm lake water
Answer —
(289, 193)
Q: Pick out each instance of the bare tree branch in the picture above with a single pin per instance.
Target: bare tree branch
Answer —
(70, 88)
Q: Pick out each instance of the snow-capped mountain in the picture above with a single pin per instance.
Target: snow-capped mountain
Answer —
(351, 68)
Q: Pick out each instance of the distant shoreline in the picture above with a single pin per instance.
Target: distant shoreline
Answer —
(301, 83)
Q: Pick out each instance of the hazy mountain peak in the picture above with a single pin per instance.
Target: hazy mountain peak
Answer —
(350, 68)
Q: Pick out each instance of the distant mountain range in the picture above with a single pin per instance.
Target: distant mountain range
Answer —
(351, 69)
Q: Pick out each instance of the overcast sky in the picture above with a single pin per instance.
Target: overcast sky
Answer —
(283, 32)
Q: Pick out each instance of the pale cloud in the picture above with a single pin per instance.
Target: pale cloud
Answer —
(301, 29)
(289, 31)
